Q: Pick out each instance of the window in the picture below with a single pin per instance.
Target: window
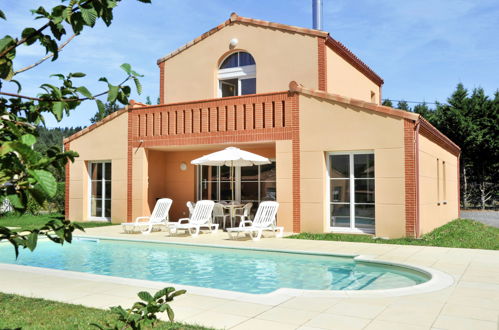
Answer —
(237, 75)
(100, 190)
(352, 183)
(250, 183)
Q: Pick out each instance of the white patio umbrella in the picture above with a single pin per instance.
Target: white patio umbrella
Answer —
(232, 157)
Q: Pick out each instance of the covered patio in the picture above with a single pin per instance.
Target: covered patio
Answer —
(170, 174)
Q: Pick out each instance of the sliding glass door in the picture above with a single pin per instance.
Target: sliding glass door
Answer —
(100, 190)
(352, 200)
(250, 183)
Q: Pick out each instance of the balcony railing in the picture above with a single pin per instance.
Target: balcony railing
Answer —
(252, 113)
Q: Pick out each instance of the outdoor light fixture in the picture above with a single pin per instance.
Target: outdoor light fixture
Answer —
(183, 166)
(233, 42)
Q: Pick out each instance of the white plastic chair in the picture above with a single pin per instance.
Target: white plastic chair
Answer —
(159, 217)
(219, 213)
(190, 207)
(243, 213)
(264, 220)
(201, 217)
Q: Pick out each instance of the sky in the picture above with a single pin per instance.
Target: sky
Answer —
(422, 49)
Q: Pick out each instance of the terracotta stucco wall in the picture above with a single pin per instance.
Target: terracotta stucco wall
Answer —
(344, 79)
(165, 179)
(326, 127)
(106, 142)
(280, 58)
(438, 198)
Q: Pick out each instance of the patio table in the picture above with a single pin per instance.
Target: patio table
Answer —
(232, 206)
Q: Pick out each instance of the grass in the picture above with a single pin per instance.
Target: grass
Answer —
(460, 233)
(28, 221)
(17, 312)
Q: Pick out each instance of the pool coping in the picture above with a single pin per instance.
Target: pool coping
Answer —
(438, 280)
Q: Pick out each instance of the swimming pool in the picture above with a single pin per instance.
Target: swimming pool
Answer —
(247, 271)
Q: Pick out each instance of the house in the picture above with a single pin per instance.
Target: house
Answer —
(341, 162)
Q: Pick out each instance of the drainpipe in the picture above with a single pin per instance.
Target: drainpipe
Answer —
(416, 146)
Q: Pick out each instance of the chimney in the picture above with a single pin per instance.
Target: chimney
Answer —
(317, 14)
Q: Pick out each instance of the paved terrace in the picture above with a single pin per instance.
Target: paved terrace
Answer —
(472, 302)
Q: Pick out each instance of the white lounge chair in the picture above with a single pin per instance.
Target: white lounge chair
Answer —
(201, 218)
(159, 217)
(264, 220)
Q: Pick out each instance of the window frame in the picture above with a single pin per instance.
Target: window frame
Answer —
(103, 183)
(239, 73)
(352, 204)
(237, 183)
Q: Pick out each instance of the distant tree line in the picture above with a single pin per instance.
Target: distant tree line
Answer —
(471, 120)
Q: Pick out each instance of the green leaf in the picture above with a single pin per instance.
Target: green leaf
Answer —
(113, 93)
(46, 181)
(5, 42)
(19, 87)
(32, 239)
(28, 139)
(57, 108)
(146, 296)
(27, 153)
(84, 91)
(101, 107)
(78, 74)
(30, 34)
(2, 15)
(89, 16)
(137, 85)
(170, 313)
(15, 200)
(127, 67)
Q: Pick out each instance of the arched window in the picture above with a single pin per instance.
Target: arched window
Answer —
(237, 75)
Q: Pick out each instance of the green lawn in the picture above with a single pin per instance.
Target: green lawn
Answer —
(29, 221)
(17, 312)
(460, 233)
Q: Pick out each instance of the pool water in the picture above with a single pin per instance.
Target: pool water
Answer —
(239, 270)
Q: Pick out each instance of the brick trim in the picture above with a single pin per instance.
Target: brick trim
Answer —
(351, 58)
(410, 179)
(433, 134)
(295, 129)
(67, 184)
(129, 182)
(162, 83)
(322, 64)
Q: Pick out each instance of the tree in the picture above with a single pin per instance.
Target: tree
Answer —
(388, 103)
(471, 122)
(24, 170)
(423, 110)
(108, 109)
(403, 105)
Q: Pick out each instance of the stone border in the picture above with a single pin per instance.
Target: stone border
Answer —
(438, 280)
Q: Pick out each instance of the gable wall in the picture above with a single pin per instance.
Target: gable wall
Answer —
(280, 57)
(346, 80)
(106, 142)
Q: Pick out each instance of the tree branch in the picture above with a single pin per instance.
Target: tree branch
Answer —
(44, 58)
(23, 40)
(61, 100)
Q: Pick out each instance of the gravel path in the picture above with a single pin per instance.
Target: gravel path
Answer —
(490, 218)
